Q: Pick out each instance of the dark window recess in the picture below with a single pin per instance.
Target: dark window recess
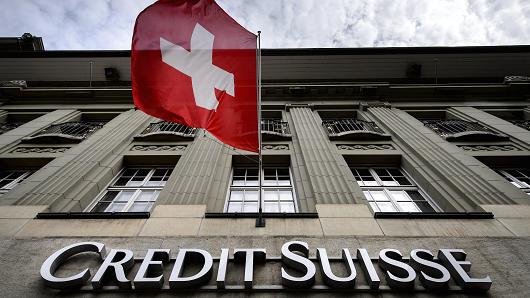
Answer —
(522, 123)
(461, 130)
(353, 129)
(5, 127)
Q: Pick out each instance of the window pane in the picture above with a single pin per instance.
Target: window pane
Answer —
(402, 181)
(390, 183)
(140, 207)
(252, 181)
(115, 207)
(234, 207)
(124, 196)
(374, 207)
(368, 196)
(236, 195)
(363, 172)
(251, 195)
(287, 207)
(381, 172)
(122, 181)
(270, 195)
(147, 195)
(238, 181)
(252, 172)
(109, 196)
(424, 206)
(286, 195)
(100, 207)
(160, 172)
(271, 207)
(386, 207)
(416, 196)
(239, 172)
(395, 172)
(408, 207)
(250, 207)
(379, 195)
(284, 181)
(283, 172)
(269, 172)
(399, 195)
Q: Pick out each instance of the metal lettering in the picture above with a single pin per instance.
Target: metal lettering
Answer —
(299, 263)
(221, 269)
(248, 255)
(57, 258)
(455, 261)
(203, 276)
(331, 279)
(399, 275)
(369, 270)
(152, 264)
(118, 261)
(432, 275)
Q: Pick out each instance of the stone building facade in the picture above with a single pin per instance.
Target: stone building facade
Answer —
(399, 148)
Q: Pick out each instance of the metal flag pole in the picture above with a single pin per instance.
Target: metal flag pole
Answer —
(260, 221)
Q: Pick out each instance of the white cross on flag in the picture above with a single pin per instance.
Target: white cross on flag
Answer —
(191, 63)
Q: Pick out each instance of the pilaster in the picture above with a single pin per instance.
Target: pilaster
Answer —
(329, 180)
(72, 181)
(456, 181)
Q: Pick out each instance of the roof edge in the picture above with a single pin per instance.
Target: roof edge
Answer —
(292, 51)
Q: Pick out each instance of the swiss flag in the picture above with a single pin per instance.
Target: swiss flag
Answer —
(191, 63)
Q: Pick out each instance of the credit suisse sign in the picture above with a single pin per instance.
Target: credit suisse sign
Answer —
(390, 271)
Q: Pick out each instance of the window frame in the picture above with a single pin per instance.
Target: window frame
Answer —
(513, 180)
(264, 187)
(414, 186)
(137, 190)
(8, 187)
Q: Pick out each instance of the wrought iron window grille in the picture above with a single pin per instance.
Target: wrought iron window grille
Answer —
(275, 127)
(66, 132)
(353, 128)
(164, 128)
(461, 130)
(7, 126)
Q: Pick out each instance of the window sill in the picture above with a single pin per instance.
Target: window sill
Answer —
(91, 215)
(264, 215)
(436, 215)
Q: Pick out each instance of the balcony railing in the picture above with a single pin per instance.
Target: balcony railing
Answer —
(162, 129)
(455, 130)
(522, 123)
(275, 127)
(5, 127)
(353, 129)
(66, 132)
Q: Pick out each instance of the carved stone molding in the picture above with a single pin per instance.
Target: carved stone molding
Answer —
(365, 147)
(489, 148)
(275, 147)
(39, 150)
(158, 148)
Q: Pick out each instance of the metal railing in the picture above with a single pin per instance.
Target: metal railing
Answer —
(522, 123)
(169, 127)
(337, 127)
(449, 128)
(75, 130)
(5, 127)
(275, 127)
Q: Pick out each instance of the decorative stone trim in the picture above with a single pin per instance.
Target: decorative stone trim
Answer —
(489, 148)
(365, 147)
(275, 147)
(39, 150)
(158, 148)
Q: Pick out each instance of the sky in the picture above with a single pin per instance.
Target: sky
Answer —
(108, 24)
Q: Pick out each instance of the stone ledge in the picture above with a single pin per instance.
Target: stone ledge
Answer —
(39, 228)
(350, 227)
(343, 210)
(508, 211)
(173, 211)
(164, 227)
(28, 211)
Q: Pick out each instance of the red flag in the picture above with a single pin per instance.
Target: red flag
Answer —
(191, 63)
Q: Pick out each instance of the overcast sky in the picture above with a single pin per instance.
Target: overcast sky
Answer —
(107, 24)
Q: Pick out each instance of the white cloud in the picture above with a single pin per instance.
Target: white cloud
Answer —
(108, 24)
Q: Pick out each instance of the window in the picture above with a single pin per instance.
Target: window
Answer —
(10, 179)
(277, 191)
(518, 177)
(390, 190)
(133, 190)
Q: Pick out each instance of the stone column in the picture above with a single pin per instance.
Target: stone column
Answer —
(13, 136)
(329, 180)
(72, 181)
(507, 128)
(456, 181)
(201, 175)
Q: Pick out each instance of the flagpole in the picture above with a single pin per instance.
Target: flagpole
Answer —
(260, 221)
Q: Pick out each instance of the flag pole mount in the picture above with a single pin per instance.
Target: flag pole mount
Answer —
(260, 221)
